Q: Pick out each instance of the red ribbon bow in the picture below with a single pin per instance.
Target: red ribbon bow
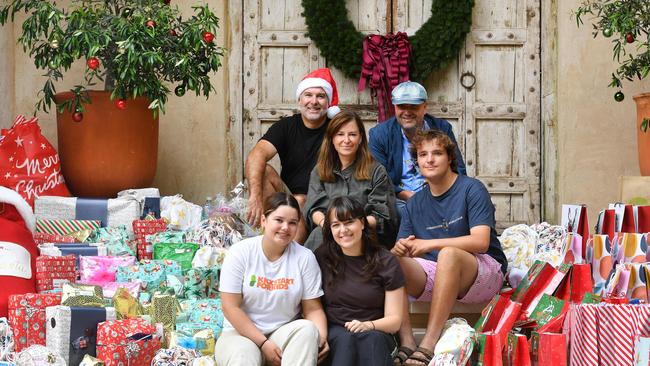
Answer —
(385, 64)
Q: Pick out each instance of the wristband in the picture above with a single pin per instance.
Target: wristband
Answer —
(262, 344)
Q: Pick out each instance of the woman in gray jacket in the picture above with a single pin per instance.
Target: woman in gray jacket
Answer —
(345, 167)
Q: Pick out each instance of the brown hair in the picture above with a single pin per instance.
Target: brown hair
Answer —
(328, 158)
(278, 199)
(434, 135)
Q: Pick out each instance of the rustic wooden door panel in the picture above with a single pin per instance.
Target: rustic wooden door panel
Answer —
(497, 122)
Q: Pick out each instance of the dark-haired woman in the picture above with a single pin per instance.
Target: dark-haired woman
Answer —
(364, 288)
(267, 283)
(345, 167)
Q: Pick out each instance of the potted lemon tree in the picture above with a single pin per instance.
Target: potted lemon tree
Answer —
(627, 24)
(135, 53)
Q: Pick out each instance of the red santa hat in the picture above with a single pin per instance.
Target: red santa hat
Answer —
(322, 78)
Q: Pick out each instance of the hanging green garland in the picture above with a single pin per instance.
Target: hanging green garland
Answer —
(436, 43)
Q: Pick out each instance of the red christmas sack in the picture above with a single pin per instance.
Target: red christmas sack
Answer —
(17, 248)
(28, 163)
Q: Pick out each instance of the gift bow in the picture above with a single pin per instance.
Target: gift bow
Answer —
(385, 64)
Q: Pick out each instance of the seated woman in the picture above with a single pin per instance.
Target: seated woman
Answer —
(266, 283)
(364, 289)
(345, 167)
(447, 247)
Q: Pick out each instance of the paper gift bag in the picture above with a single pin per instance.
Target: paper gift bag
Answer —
(518, 353)
(27, 318)
(72, 331)
(583, 327)
(547, 310)
(616, 334)
(549, 349)
(575, 220)
(542, 278)
(606, 224)
(633, 247)
(573, 247)
(602, 262)
(489, 349)
(577, 282)
(499, 317)
(126, 342)
(643, 219)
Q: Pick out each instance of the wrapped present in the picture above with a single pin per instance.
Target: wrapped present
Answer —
(116, 239)
(209, 257)
(89, 360)
(126, 305)
(27, 318)
(75, 289)
(76, 249)
(163, 310)
(455, 344)
(182, 253)
(6, 339)
(175, 356)
(111, 288)
(142, 229)
(38, 355)
(517, 352)
(151, 273)
(100, 270)
(168, 237)
(127, 342)
(53, 272)
(42, 238)
(181, 214)
(201, 283)
(72, 331)
(549, 349)
(202, 341)
(65, 227)
(86, 301)
(220, 231)
(112, 212)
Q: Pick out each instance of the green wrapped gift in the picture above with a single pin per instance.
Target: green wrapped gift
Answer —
(182, 253)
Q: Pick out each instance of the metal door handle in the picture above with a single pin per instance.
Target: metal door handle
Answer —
(467, 80)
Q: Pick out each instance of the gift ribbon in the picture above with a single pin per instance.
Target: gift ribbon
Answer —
(385, 64)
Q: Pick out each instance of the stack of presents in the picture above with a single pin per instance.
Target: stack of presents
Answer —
(126, 281)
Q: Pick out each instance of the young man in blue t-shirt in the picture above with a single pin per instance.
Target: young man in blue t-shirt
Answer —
(447, 243)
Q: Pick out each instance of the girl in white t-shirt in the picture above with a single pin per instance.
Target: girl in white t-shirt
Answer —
(267, 283)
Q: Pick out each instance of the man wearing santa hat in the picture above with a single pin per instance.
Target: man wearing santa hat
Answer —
(296, 139)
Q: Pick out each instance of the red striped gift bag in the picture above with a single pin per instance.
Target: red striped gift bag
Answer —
(616, 333)
(583, 337)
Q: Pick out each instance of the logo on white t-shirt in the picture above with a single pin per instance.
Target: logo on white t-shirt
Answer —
(268, 284)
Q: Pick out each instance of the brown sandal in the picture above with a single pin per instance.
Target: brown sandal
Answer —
(403, 353)
(428, 355)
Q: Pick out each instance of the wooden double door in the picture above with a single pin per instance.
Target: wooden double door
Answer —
(496, 121)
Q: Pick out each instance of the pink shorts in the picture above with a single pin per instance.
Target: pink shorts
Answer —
(489, 280)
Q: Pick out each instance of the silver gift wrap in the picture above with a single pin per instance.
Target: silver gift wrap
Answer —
(71, 332)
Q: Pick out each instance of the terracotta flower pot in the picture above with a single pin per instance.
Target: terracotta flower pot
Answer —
(110, 149)
(643, 138)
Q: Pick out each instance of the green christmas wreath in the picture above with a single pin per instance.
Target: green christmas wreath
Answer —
(434, 44)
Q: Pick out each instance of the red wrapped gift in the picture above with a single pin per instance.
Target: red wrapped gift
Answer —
(27, 317)
(142, 228)
(41, 238)
(127, 342)
(549, 349)
(53, 272)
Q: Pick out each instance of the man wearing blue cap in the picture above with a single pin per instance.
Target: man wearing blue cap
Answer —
(389, 141)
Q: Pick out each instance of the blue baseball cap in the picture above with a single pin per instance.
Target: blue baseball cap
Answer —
(409, 92)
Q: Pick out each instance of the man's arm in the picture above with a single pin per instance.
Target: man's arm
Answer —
(255, 168)
(377, 143)
(477, 241)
